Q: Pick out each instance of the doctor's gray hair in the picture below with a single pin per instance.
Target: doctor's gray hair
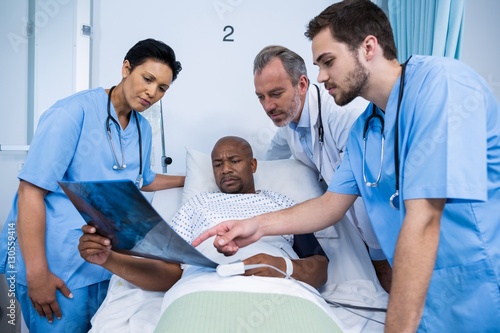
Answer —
(292, 62)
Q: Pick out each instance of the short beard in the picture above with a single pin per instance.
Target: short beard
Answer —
(356, 82)
(295, 106)
(235, 190)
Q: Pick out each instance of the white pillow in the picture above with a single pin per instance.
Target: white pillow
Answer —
(289, 177)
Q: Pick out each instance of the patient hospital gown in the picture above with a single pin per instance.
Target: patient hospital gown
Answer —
(207, 209)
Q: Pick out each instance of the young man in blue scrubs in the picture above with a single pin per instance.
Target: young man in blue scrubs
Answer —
(438, 123)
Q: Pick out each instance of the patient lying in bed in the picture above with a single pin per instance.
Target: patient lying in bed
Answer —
(256, 301)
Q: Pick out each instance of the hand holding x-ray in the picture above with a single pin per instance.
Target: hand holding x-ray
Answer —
(93, 247)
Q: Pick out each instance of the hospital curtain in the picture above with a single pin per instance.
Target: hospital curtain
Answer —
(427, 27)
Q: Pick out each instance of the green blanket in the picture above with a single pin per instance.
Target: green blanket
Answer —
(233, 312)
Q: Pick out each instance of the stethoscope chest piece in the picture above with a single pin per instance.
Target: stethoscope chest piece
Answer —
(139, 181)
(394, 200)
(121, 167)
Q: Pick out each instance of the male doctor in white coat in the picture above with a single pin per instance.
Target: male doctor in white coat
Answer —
(314, 130)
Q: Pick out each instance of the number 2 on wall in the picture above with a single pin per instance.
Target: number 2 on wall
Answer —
(231, 31)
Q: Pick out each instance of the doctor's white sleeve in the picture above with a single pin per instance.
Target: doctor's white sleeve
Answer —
(341, 121)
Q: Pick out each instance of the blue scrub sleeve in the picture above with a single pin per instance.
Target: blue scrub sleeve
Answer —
(343, 181)
(53, 147)
(444, 137)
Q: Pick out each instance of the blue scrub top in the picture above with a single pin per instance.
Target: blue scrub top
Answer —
(71, 144)
(449, 148)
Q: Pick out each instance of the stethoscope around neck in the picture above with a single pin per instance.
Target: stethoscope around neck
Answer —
(394, 198)
(321, 136)
(117, 165)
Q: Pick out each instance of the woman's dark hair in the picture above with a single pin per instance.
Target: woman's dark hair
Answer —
(155, 50)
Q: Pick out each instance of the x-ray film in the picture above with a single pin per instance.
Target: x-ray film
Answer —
(120, 212)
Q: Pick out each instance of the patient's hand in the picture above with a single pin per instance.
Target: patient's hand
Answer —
(311, 270)
(263, 258)
(94, 248)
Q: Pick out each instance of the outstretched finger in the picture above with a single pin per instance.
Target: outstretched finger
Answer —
(204, 236)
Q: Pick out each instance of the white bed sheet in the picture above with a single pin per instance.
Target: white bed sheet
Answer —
(351, 280)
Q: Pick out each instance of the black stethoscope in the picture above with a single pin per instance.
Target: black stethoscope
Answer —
(394, 199)
(123, 165)
(321, 136)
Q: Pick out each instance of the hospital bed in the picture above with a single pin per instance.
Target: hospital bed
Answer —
(352, 279)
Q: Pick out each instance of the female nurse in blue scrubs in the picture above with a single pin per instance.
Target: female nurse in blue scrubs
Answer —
(97, 134)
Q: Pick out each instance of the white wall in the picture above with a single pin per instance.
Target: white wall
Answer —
(59, 57)
(214, 94)
(13, 94)
(54, 54)
(13, 121)
(481, 47)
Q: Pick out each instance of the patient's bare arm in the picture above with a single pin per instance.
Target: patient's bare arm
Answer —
(384, 273)
(311, 270)
(145, 273)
